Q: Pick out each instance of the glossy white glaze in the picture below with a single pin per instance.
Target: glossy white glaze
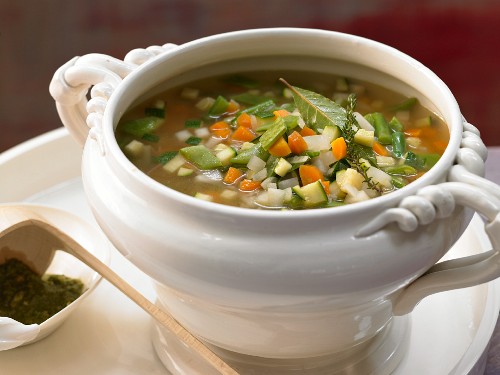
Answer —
(292, 284)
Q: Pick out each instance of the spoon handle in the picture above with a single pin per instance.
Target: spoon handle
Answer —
(74, 248)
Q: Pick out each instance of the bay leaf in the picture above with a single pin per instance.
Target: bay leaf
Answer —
(317, 110)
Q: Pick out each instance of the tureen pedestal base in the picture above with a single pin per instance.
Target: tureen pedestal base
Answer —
(378, 356)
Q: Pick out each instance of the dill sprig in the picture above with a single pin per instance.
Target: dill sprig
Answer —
(353, 151)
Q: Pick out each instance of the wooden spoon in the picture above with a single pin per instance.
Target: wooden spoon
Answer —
(26, 236)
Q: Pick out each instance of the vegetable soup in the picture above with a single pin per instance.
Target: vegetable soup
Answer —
(259, 141)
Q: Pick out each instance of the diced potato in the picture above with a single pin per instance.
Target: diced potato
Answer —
(385, 161)
(190, 93)
(134, 148)
(364, 137)
(268, 181)
(335, 191)
(205, 104)
(413, 142)
(355, 195)
(350, 177)
(229, 194)
(183, 135)
(204, 197)
(276, 197)
(202, 132)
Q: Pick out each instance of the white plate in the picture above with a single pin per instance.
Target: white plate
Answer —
(110, 335)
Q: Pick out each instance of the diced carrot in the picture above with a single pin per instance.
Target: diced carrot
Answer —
(280, 148)
(380, 149)
(326, 185)
(310, 173)
(339, 148)
(232, 107)
(249, 185)
(440, 146)
(306, 131)
(413, 132)
(244, 120)
(428, 132)
(220, 129)
(232, 175)
(243, 134)
(296, 143)
(281, 113)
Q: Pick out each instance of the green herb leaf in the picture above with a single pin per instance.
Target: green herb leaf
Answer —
(193, 141)
(317, 110)
(141, 126)
(192, 123)
(150, 137)
(166, 157)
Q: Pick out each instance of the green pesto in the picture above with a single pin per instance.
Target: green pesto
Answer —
(29, 298)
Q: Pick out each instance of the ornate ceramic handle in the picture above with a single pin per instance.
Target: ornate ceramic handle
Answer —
(100, 73)
(466, 187)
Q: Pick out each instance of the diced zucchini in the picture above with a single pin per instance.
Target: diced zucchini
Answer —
(364, 137)
(183, 172)
(174, 164)
(313, 194)
(331, 132)
(272, 134)
(141, 126)
(201, 157)
(282, 167)
(218, 107)
(243, 157)
(423, 122)
(225, 155)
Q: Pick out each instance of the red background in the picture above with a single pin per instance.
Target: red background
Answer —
(458, 40)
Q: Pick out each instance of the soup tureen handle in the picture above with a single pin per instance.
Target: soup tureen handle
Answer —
(100, 74)
(465, 187)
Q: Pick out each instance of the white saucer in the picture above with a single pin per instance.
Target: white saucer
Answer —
(108, 334)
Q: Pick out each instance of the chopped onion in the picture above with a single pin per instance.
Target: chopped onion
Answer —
(362, 122)
(256, 163)
(183, 135)
(317, 142)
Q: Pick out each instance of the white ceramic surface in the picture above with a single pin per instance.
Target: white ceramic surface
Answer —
(449, 331)
(287, 285)
(12, 333)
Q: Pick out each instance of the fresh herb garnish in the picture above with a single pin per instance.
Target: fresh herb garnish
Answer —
(319, 111)
(316, 110)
